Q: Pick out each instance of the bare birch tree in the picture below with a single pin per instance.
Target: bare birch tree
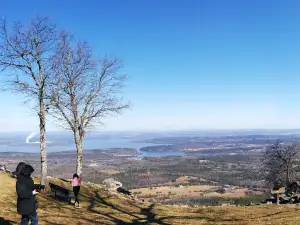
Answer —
(85, 90)
(25, 56)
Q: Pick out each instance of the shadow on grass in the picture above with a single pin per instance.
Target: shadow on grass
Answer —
(65, 180)
(146, 215)
(114, 210)
(6, 222)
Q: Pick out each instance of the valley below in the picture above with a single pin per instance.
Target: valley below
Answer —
(208, 171)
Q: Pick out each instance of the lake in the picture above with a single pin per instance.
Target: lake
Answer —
(67, 145)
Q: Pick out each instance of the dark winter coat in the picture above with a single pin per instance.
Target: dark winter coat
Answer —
(26, 203)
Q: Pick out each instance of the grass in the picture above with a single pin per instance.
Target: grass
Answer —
(100, 207)
(173, 193)
(185, 190)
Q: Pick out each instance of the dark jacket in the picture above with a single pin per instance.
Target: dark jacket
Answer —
(26, 203)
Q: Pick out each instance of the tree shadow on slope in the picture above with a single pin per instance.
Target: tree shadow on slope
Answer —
(110, 209)
(146, 215)
(6, 222)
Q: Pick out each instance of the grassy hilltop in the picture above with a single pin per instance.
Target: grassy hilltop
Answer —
(100, 207)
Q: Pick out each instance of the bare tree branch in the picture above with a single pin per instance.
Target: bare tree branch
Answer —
(85, 90)
(26, 53)
(279, 162)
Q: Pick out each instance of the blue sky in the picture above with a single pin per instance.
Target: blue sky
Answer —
(192, 64)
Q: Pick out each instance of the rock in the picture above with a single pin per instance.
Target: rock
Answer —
(293, 189)
(3, 168)
(112, 184)
(225, 204)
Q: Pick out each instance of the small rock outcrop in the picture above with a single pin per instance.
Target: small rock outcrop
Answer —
(288, 194)
(293, 189)
(3, 168)
(112, 184)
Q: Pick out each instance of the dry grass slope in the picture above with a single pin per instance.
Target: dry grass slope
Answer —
(99, 207)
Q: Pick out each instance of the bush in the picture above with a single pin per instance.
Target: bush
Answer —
(217, 201)
(221, 190)
(249, 200)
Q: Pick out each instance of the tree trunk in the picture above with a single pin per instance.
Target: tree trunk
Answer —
(79, 163)
(288, 176)
(42, 116)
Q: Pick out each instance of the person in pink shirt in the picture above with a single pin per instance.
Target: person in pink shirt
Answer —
(76, 182)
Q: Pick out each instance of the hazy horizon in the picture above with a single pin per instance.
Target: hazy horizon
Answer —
(162, 131)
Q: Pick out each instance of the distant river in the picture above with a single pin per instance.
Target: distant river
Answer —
(14, 146)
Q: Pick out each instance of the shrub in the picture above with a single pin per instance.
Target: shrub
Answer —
(221, 190)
